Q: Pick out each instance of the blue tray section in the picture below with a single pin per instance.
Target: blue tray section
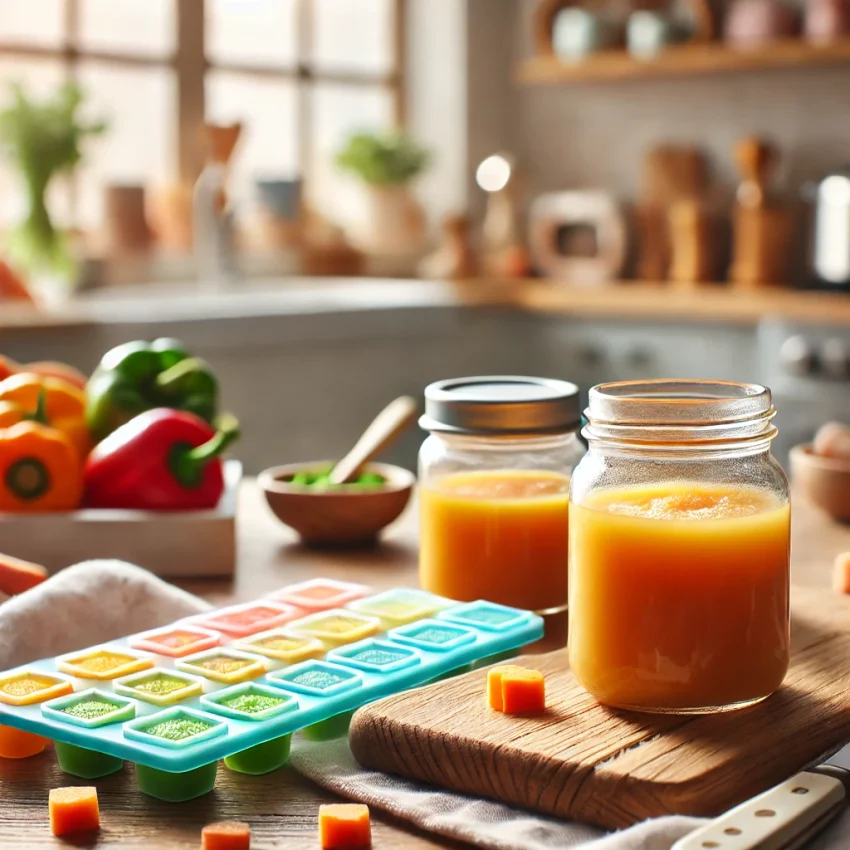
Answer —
(347, 677)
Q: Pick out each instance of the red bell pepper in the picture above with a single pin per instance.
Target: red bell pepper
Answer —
(161, 460)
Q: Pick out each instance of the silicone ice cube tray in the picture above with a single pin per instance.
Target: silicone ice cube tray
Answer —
(235, 683)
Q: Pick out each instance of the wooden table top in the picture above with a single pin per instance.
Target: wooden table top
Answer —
(282, 807)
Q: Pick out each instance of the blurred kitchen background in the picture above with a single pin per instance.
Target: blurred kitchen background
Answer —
(338, 201)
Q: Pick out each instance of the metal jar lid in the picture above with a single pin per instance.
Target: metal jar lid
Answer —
(502, 404)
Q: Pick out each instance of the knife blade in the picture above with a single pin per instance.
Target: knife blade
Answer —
(786, 817)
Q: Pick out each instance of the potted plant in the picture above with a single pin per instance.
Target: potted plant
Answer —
(387, 164)
(43, 139)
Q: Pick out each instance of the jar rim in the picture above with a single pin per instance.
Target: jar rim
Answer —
(678, 402)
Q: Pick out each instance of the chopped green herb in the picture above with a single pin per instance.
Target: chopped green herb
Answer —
(91, 709)
(178, 728)
(252, 703)
(321, 480)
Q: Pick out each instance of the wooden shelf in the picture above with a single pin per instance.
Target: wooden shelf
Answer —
(660, 302)
(685, 60)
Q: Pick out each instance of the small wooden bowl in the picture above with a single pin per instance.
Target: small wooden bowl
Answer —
(824, 480)
(337, 518)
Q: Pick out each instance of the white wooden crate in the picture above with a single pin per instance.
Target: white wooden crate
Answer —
(173, 544)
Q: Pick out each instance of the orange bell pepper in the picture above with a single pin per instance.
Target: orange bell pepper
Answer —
(64, 406)
(45, 368)
(40, 469)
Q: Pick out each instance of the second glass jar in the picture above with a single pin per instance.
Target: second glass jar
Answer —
(679, 548)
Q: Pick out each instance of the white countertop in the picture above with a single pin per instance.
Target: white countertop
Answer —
(189, 302)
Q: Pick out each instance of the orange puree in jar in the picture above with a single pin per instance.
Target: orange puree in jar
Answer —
(497, 535)
(679, 595)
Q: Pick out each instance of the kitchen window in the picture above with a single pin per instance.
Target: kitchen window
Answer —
(300, 74)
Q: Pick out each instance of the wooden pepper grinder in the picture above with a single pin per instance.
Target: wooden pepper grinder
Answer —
(761, 226)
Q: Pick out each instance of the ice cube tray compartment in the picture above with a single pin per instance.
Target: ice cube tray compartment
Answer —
(235, 683)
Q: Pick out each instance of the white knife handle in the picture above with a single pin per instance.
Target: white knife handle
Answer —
(773, 820)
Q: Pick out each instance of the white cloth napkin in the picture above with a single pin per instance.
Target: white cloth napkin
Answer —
(87, 604)
(489, 824)
(98, 601)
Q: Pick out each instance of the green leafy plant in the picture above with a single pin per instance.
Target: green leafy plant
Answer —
(383, 160)
(43, 139)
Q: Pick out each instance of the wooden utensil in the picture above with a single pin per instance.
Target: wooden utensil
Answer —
(582, 761)
(761, 225)
(386, 426)
(676, 230)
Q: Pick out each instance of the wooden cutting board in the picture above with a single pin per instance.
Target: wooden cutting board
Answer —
(612, 768)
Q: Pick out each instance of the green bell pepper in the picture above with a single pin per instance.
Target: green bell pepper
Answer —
(139, 376)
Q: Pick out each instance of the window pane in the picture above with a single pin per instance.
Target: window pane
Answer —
(252, 32)
(267, 109)
(140, 145)
(338, 111)
(33, 21)
(354, 35)
(41, 78)
(131, 26)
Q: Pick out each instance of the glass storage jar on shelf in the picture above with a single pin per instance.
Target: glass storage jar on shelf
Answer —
(493, 488)
(679, 548)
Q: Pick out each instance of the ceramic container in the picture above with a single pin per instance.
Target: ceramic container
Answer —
(648, 33)
(754, 23)
(825, 481)
(577, 33)
(827, 20)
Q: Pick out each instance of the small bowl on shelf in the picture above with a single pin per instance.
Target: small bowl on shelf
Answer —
(825, 481)
(337, 516)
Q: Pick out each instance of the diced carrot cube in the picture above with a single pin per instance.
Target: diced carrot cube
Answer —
(523, 691)
(494, 685)
(73, 810)
(841, 573)
(15, 744)
(16, 575)
(229, 835)
(344, 825)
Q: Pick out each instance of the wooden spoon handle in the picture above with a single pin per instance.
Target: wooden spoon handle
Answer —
(387, 425)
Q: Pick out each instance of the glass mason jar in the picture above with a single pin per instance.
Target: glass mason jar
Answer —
(494, 489)
(679, 548)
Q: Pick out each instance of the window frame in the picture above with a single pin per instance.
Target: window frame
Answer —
(190, 65)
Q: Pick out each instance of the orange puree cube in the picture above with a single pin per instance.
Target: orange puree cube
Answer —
(523, 691)
(228, 835)
(344, 825)
(516, 690)
(73, 810)
(15, 744)
(841, 573)
(494, 685)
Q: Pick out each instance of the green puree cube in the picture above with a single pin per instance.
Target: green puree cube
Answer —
(252, 703)
(490, 616)
(178, 728)
(91, 709)
(318, 679)
(378, 657)
(435, 635)
(160, 685)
